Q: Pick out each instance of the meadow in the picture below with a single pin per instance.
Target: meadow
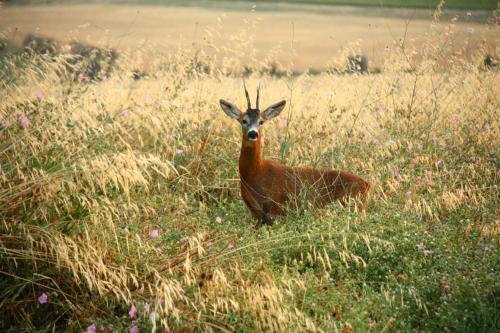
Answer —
(119, 191)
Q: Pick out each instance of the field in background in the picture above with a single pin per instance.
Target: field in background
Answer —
(426, 4)
(301, 37)
(119, 191)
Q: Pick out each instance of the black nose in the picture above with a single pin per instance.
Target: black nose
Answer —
(253, 135)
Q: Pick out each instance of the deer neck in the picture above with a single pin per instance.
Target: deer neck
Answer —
(251, 160)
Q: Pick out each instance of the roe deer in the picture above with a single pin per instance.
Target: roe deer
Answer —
(266, 186)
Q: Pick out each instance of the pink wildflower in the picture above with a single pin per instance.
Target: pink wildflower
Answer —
(427, 252)
(154, 234)
(38, 95)
(132, 312)
(230, 247)
(91, 329)
(179, 151)
(408, 193)
(420, 246)
(218, 219)
(134, 329)
(410, 147)
(25, 122)
(124, 113)
(81, 77)
(43, 298)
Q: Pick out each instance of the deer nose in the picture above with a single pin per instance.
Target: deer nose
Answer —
(252, 135)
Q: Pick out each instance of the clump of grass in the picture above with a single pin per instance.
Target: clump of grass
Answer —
(119, 198)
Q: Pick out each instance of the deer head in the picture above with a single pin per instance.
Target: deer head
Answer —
(252, 119)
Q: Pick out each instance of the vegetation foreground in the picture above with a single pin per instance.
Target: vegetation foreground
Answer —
(120, 207)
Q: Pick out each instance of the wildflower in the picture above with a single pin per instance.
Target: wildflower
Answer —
(453, 119)
(43, 298)
(38, 95)
(154, 234)
(218, 219)
(105, 78)
(124, 113)
(134, 328)
(439, 162)
(152, 315)
(434, 138)
(410, 147)
(230, 247)
(282, 123)
(241, 239)
(408, 193)
(91, 329)
(132, 312)
(427, 252)
(184, 240)
(485, 127)
(391, 142)
(420, 246)
(81, 77)
(146, 307)
(25, 122)
(179, 151)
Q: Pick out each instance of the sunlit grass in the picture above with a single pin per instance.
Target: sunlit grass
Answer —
(119, 198)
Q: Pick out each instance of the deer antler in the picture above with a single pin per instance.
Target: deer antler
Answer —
(257, 102)
(246, 94)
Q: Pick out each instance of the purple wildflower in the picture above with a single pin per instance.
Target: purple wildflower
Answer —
(91, 329)
(38, 95)
(146, 307)
(43, 298)
(134, 329)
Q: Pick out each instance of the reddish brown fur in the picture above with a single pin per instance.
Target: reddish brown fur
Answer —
(266, 186)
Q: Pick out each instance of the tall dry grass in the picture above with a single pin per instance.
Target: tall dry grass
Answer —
(110, 190)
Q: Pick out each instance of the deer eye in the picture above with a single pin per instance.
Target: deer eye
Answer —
(261, 122)
(244, 122)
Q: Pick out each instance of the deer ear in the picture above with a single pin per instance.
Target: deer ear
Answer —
(230, 109)
(274, 110)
